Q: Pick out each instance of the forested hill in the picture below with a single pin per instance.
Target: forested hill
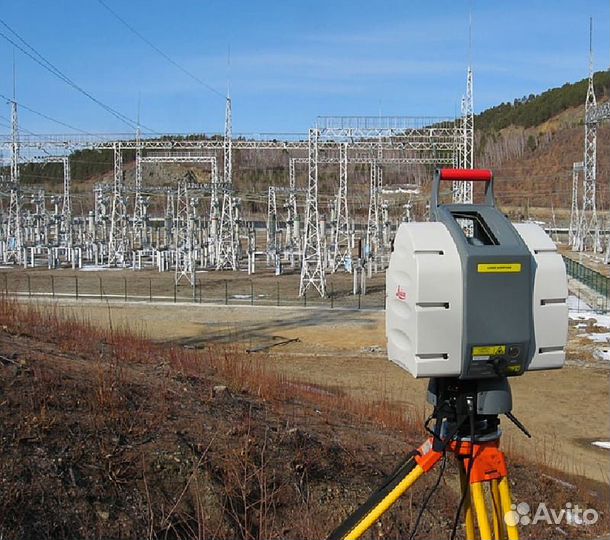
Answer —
(533, 110)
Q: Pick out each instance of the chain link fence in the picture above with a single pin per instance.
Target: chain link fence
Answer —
(162, 288)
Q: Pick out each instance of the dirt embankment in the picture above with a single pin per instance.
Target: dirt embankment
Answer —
(106, 435)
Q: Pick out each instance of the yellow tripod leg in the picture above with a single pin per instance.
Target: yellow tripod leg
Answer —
(480, 509)
(468, 516)
(385, 503)
(505, 500)
(498, 518)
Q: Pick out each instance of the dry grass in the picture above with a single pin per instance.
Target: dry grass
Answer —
(109, 435)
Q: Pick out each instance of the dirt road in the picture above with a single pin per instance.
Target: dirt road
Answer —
(344, 351)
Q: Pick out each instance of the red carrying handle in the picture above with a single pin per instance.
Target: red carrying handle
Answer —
(466, 175)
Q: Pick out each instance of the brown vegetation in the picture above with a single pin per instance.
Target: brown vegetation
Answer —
(107, 435)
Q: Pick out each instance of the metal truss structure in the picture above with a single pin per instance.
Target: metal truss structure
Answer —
(185, 239)
(587, 233)
(312, 267)
(462, 191)
(573, 229)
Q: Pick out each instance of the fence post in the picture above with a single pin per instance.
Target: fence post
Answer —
(251, 293)
(226, 292)
(332, 295)
(125, 288)
(150, 290)
(200, 291)
(194, 290)
(76, 286)
(29, 286)
(175, 290)
(278, 293)
(101, 289)
(305, 298)
(6, 283)
(359, 298)
(53, 286)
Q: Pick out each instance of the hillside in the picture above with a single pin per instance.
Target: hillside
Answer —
(530, 143)
(107, 435)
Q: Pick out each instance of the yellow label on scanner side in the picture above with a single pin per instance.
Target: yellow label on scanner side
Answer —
(489, 350)
(498, 268)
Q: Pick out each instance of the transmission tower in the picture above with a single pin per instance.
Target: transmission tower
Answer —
(342, 238)
(312, 269)
(140, 203)
(462, 191)
(184, 236)
(588, 230)
(117, 238)
(65, 227)
(292, 219)
(228, 237)
(15, 229)
(272, 244)
(577, 167)
(373, 228)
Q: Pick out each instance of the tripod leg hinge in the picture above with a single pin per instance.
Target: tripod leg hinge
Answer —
(426, 456)
(488, 464)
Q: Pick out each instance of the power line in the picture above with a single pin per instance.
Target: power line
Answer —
(21, 105)
(46, 64)
(159, 51)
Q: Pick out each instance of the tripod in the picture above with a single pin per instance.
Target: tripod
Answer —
(474, 439)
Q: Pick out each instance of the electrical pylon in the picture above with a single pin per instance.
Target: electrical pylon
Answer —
(373, 228)
(312, 268)
(117, 238)
(588, 230)
(14, 235)
(65, 227)
(272, 244)
(577, 167)
(228, 238)
(462, 191)
(342, 239)
(292, 219)
(140, 203)
(184, 236)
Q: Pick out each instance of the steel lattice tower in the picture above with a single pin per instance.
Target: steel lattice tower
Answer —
(117, 238)
(462, 191)
(228, 236)
(184, 236)
(140, 206)
(342, 239)
(373, 228)
(292, 220)
(312, 269)
(65, 231)
(15, 230)
(573, 230)
(272, 244)
(588, 230)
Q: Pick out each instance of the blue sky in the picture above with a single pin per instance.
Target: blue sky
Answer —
(290, 61)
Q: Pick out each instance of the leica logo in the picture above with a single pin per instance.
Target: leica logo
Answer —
(401, 294)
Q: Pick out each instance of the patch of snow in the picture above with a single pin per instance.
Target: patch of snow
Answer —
(99, 268)
(241, 296)
(602, 444)
(599, 338)
(603, 355)
(576, 304)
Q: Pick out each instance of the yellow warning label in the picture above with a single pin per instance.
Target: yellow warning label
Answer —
(498, 268)
(489, 350)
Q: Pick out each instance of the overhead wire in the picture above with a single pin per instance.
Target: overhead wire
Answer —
(46, 116)
(158, 50)
(49, 66)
